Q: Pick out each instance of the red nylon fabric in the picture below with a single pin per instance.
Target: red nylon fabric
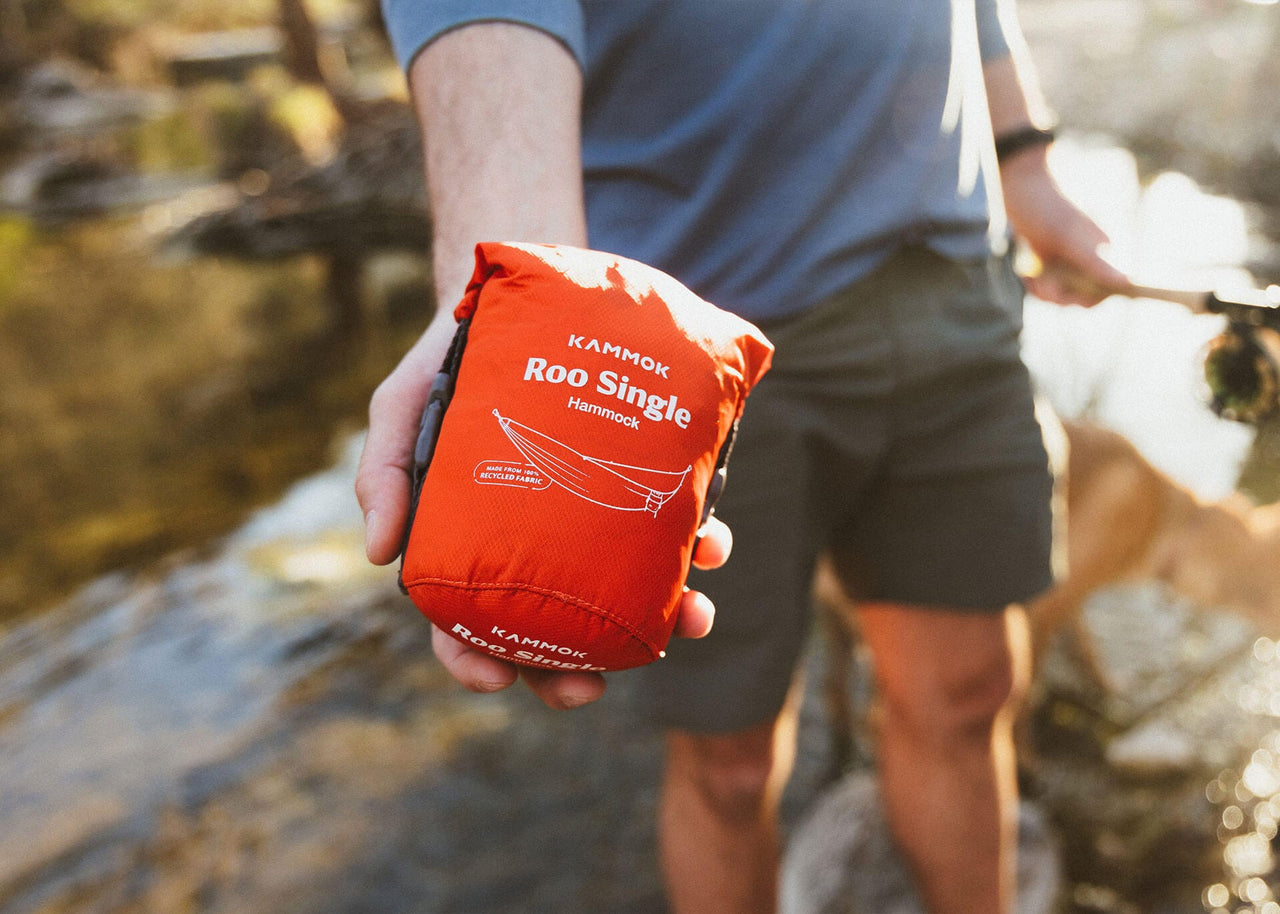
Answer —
(559, 513)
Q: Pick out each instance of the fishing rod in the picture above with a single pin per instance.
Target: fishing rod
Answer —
(1252, 307)
(1241, 364)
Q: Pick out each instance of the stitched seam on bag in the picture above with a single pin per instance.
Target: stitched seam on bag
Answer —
(542, 591)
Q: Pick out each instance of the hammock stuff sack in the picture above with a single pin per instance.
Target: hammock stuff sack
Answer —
(573, 444)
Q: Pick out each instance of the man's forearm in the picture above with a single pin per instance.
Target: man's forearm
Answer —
(499, 105)
(1013, 91)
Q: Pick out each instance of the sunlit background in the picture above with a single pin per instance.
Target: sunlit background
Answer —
(212, 247)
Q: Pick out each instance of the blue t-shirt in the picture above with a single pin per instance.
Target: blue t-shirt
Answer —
(769, 153)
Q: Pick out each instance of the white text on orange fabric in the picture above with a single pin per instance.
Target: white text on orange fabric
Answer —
(653, 406)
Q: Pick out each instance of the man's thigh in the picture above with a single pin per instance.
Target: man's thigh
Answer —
(959, 515)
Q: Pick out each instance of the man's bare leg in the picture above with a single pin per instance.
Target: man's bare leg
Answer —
(950, 682)
(718, 819)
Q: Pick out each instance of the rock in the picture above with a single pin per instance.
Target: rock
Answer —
(61, 185)
(1152, 750)
(1151, 646)
(264, 728)
(1146, 778)
(227, 55)
(840, 859)
(369, 197)
(59, 96)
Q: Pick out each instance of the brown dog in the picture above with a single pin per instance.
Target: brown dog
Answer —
(1125, 520)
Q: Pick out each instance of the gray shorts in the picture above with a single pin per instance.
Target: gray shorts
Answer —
(896, 431)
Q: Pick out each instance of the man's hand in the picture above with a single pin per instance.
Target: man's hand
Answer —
(1070, 246)
(382, 487)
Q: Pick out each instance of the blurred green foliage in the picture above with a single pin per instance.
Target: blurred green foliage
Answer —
(175, 141)
(195, 15)
(15, 238)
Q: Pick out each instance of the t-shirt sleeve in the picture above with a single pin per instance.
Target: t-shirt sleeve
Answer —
(993, 17)
(412, 24)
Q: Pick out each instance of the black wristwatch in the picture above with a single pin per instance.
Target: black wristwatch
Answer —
(1011, 143)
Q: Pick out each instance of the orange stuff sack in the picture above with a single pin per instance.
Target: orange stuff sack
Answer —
(572, 438)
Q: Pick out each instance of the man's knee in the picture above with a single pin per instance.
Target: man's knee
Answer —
(948, 693)
(961, 706)
(733, 775)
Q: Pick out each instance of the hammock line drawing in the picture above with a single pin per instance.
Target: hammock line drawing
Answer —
(603, 482)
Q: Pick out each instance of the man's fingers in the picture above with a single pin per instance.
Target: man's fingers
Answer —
(696, 612)
(1049, 288)
(475, 671)
(715, 542)
(1104, 268)
(696, 615)
(563, 691)
(1086, 280)
(1102, 277)
(481, 673)
(386, 509)
(395, 413)
(383, 476)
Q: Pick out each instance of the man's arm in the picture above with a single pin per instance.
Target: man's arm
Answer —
(1068, 243)
(499, 105)
(500, 108)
